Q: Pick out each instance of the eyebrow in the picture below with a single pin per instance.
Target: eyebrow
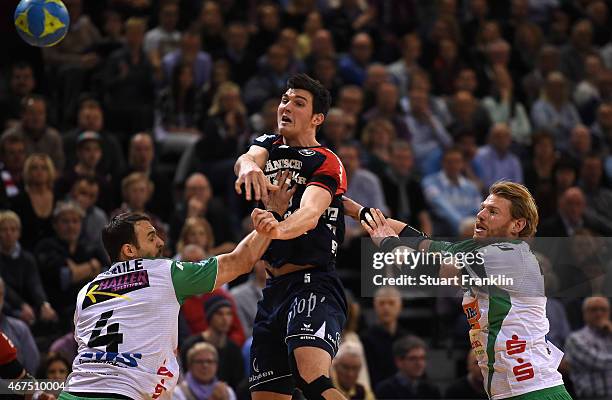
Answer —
(297, 96)
(151, 232)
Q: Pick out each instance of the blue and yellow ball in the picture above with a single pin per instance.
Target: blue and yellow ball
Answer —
(42, 23)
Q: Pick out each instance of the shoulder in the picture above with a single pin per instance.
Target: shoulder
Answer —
(18, 325)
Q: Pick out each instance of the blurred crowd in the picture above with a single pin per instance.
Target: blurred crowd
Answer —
(146, 104)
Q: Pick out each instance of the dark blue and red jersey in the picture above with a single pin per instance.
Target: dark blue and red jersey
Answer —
(319, 166)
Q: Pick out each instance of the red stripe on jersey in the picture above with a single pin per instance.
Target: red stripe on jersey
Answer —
(332, 167)
(8, 352)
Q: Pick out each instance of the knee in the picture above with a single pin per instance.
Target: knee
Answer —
(312, 388)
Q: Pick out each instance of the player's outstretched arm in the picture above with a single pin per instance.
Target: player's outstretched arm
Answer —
(249, 169)
(242, 259)
(358, 212)
(313, 204)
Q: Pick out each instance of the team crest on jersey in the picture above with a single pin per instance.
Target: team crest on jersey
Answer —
(115, 287)
(307, 152)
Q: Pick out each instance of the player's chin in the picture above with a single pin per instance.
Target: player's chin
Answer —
(480, 233)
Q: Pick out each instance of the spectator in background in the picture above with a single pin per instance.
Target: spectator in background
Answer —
(268, 24)
(212, 28)
(21, 84)
(377, 138)
(470, 386)
(180, 105)
(201, 382)
(54, 367)
(65, 262)
(450, 196)
(335, 132)
(410, 355)
(36, 202)
(76, 48)
(588, 351)
(198, 201)
(555, 309)
(571, 216)
(580, 144)
(599, 199)
(351, 100)
(19, 334)
(313, 23)
(325, 70)
(322, 47)
(402, 69)
(225, 133)
(402, 190)
(238, 52)
(387, 106)
(129, 85)
(377, 340)
(141, 158)
(553, 111)
(352, 66)
(189, 53)
(586, 95)
(466, 142)
(466, 81)
(12, 157)
(574, 53)
(84, 192)
(534, 81)
(270, 80)
(468, 114)
(25, 297)
(496, 160)
(165, 37)
(90, 117)
(503, 107)
(136, 192)
(429, 137)
(362, 186)
(446, 67)
(247, 294)
(89, 154)
(346, 19)
(198, 231)
(346, 367)
(37, 135)
(375, 75)
(219, 315)
(602, 129)
(539, 173)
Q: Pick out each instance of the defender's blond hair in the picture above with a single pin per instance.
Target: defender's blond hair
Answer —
(522, 204)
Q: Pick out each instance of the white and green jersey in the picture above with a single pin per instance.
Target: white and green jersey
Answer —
(126, 326)
(507, 316)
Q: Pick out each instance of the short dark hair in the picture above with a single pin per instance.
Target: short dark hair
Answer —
(120, 231)
(321, 99)
(406, 344)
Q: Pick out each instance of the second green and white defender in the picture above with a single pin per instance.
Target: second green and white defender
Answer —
(508, 323)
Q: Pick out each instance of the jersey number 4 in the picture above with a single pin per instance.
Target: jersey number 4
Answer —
(112, 339)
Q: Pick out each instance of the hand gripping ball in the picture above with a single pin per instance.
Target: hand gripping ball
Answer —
(41, 23)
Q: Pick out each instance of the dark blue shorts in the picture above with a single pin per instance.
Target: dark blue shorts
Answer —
(301, 309)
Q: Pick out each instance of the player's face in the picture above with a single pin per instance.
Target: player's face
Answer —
(149, 244)
(494, 219)
(294, 114)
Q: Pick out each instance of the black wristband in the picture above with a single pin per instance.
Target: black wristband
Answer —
(389, 243)
(363, 212)
(409, 231)
(278, 217)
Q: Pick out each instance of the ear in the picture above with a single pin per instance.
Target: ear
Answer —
(519, 225)
(317, 119)
(128, 251)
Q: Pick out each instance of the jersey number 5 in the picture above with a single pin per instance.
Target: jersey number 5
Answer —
(112, 339)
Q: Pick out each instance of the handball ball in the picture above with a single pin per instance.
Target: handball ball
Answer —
(42, 23)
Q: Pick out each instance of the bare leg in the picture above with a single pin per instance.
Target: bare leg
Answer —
(312, 362)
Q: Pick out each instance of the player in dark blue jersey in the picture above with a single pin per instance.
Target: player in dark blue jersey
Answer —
(300, 318)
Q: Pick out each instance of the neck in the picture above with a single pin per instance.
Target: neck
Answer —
(7, 250)
(301, 141)
(390, 327)
(37, 188)
(214, 337)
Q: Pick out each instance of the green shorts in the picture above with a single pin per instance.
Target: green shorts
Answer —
(552, 393)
